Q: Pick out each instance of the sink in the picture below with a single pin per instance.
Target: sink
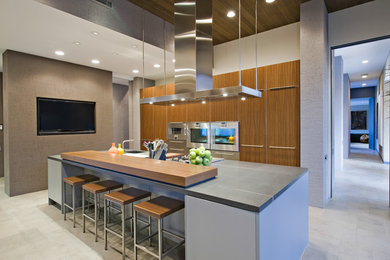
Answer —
(134, 151)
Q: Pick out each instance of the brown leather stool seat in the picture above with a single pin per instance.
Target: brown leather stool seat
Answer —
(74, 181)
(123, 198)
(158, 208)
(97, 188)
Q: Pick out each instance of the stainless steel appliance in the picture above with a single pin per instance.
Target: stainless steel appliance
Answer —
(225, 136)
(177, 137)
(198, 134)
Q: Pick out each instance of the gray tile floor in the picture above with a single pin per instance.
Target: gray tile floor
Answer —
(355, 225)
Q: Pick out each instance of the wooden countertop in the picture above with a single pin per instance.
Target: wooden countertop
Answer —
(175, 173)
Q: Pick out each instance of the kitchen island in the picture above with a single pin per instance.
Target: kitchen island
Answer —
(246, 211)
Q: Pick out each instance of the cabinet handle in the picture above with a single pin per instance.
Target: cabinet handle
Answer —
(230, 154)
(252, 145)
(178, 142)
(283, 147)
(176, 149)
(284, 87)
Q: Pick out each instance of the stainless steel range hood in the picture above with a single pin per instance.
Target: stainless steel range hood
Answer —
(194, 57)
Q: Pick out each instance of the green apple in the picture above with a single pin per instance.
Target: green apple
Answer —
(206, 162)
(202, 148)
(202, 153)
(207, 154)
(199, 160)
(192, 155)
(193, 161)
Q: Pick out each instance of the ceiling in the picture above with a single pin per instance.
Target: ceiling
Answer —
(270, 16)
(374, 52)
(31, 27)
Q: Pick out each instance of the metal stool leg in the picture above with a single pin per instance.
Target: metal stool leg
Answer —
(105, 224)
(123, 232)
(83, 209)
(160, 239)
(64, 199)
(96, 217)
(135, 233)
(74, 205)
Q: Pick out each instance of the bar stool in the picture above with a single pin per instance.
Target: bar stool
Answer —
(157, 208)
(96, 189)
(74, 182)
(122, 198)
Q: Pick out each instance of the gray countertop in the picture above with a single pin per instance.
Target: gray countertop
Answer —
(244, 185)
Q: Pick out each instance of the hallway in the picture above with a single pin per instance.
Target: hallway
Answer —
(356, 222)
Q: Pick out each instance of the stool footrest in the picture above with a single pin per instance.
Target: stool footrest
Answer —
(146, 250)
(146, 238)
(172, 248)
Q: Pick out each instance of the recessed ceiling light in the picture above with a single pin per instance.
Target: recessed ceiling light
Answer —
(151, 103)
(59, 53)
(203, 102)
(364, 84)
(173, 105)
(77, 43)
(174, 60)
(135, 71)
(270, 1)
(231, 14)
(243, 98)
(94, 61)
(365, 61)
(225, 94)
(183, 99)
(156, 65)
(134, 46)
(95, 33)
(364, 76)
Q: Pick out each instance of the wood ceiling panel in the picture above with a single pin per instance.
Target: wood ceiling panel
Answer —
(270, 16)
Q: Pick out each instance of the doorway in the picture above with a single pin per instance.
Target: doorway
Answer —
(360, 116)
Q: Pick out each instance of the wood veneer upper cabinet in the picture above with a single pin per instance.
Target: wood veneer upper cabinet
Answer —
(170, 89)
(283, 126)
(159, 91)
(146, 92)
(225, 109)
(147, 121)
(248, 78)
(160, 122)
(198, 112)
(178, 113)
(225, 80)
(283, 74)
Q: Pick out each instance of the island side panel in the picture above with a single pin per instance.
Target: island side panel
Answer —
(219, 232)
(284, 224)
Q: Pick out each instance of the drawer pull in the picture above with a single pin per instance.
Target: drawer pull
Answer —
(177, 142)
(229, 154)
(176, 149)
(252, 145)
(283, 147)
(284, 87)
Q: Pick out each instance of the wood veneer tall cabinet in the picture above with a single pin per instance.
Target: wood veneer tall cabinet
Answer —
(283, 114)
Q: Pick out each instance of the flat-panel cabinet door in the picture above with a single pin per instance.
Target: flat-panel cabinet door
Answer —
(147, 121)
(160, 122)
(283, 126)
(198, 112)
(252, 129)
(225, 109)
(177, 113)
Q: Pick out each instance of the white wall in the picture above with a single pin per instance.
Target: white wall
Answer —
(361, 22)
(274, 46)
(337, 112)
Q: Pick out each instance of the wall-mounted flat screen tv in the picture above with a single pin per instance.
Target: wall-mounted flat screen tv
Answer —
(60, 116)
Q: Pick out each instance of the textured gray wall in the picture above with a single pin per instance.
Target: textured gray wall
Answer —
(27, 77)
(315, 99)
(120, 112)
(1, 132)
